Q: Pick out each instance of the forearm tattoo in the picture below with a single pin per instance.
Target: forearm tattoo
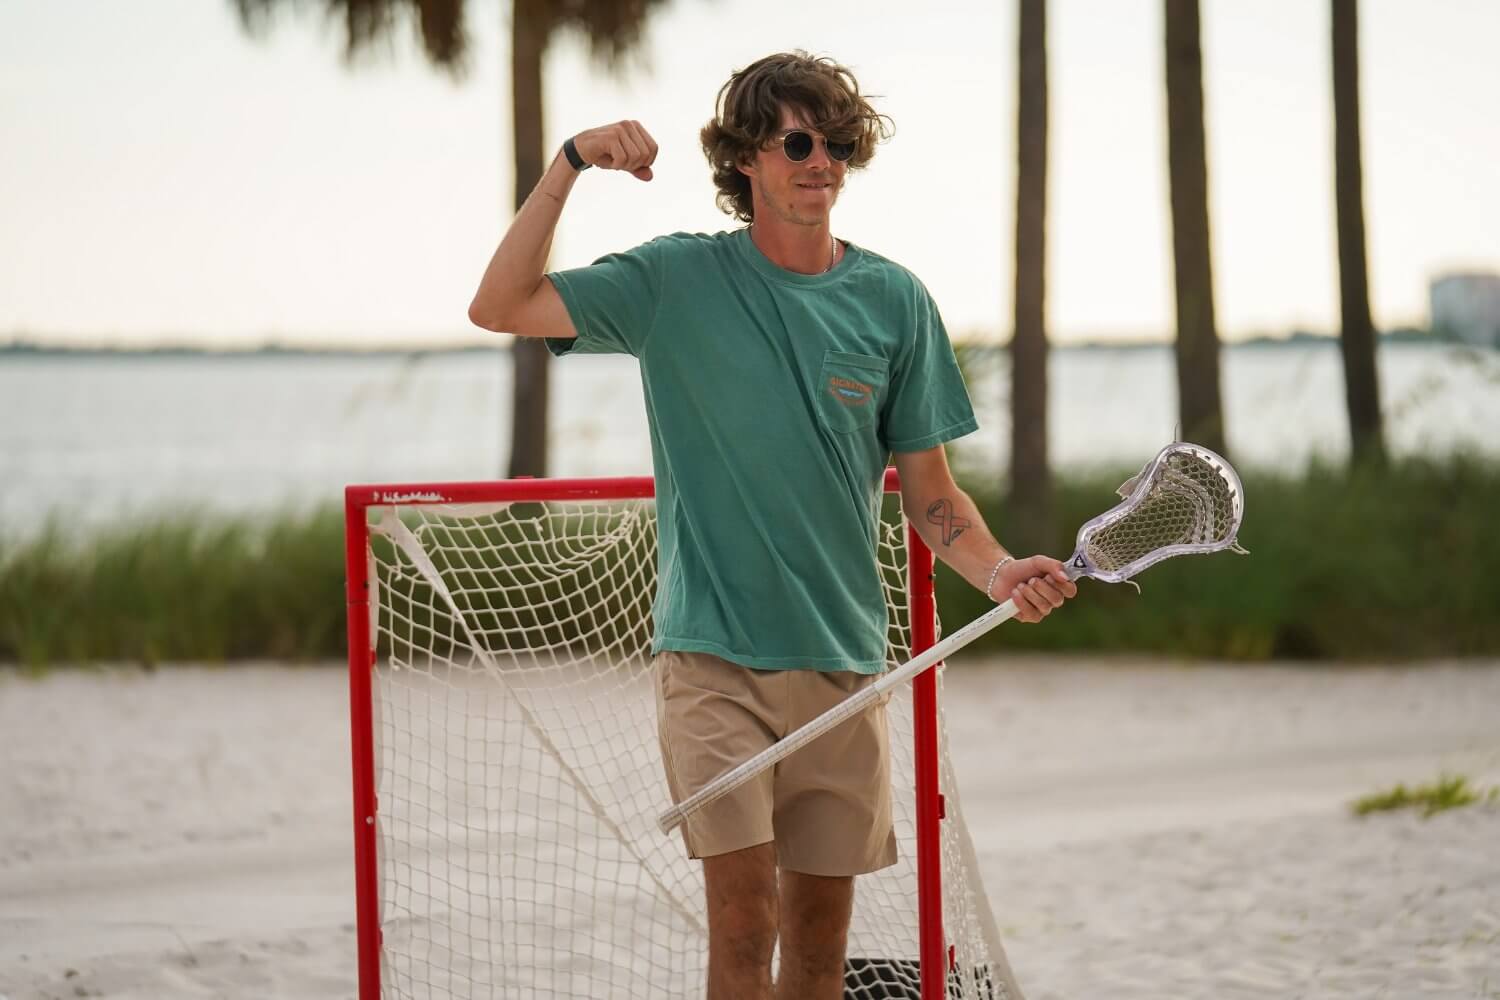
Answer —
(941, 512)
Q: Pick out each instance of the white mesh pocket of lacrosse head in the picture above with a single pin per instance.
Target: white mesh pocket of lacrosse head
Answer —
(1187, 499)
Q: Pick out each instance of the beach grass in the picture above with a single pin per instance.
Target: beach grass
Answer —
(1377, 564)
(199, 587)
(1380, 564)
(1450, 791)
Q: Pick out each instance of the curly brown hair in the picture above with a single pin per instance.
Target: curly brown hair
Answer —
(747, 116)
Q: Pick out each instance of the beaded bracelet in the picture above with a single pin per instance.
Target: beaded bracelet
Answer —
(996, 572)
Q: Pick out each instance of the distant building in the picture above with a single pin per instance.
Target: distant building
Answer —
(1467, 306)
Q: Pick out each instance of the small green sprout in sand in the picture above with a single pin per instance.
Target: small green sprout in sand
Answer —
(1448, 792)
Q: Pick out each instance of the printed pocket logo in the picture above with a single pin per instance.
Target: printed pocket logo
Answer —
(849, 392)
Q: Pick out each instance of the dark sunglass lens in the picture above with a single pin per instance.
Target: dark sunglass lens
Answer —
(840, 151)
(798, 146)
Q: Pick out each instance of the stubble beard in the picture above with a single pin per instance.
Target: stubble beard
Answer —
(786, 212)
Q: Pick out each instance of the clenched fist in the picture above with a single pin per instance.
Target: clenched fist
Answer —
(621, 146)
(1037, 584)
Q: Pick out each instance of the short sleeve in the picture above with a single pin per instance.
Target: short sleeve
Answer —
(612, 302)
(928, 403)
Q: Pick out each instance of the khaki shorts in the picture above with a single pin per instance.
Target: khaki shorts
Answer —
(827, 807)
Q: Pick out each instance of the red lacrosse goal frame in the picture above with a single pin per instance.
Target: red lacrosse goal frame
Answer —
(934, 954)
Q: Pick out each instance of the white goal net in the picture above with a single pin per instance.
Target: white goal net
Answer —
(516, 776)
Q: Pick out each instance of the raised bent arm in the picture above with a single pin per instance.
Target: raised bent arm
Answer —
(514, 295)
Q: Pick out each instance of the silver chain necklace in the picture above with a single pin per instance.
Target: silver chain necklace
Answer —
(833, 251)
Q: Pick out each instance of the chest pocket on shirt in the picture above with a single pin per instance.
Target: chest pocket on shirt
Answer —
(850, 390)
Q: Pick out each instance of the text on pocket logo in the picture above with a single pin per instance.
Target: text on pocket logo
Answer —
(849, 392)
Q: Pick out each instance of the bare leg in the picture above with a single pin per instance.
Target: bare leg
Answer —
(741, 922)
(814, 932)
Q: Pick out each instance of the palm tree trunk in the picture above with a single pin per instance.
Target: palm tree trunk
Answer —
(1031, 520)
(1199, 405)
(1357, 330)
(528, 440)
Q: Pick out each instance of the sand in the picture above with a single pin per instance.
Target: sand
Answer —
(1144, 830)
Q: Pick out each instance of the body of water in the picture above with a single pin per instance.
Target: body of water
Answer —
(103, 437)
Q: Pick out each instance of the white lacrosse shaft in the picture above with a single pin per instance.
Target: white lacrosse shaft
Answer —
(849, 707)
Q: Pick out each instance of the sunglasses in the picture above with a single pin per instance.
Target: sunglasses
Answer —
(798, 146)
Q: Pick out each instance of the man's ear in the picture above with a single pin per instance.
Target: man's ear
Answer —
(746, 167)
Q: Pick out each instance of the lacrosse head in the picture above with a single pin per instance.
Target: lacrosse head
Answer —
(1187, 499)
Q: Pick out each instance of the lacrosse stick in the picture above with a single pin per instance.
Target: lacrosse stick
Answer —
(1187, 499)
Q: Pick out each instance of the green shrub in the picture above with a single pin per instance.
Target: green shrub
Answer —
(1390, 563)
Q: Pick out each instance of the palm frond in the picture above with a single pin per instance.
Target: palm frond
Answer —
(371, 24)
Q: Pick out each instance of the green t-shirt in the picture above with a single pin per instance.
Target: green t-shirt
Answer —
(774, 401)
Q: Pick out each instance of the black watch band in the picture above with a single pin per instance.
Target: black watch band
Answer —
(571, 152)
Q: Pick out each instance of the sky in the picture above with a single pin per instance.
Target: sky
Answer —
(165, 178)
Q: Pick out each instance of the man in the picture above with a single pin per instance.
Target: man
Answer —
(782, 368)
